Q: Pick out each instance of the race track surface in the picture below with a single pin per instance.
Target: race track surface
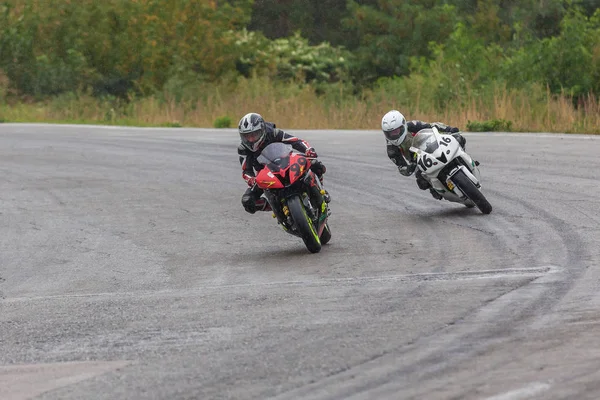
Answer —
(128, 269)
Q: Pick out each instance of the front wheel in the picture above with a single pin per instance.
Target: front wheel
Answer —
(470, 190)
(326, 234)
(304, 224)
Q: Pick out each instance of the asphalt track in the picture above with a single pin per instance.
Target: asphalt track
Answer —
(130, 270)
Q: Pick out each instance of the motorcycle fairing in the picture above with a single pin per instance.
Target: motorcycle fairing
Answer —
(282, 165)
(434, 152)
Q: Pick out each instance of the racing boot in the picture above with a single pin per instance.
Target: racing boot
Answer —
(422, 183)
(262, 205)
(435, 194)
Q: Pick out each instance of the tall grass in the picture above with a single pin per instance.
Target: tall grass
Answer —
(294, 106)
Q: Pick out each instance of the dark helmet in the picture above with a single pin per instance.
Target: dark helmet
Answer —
(252, 131)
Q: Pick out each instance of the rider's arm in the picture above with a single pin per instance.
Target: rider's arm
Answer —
(396, 155)
(246, 161)
(416, 126)
(297, 143)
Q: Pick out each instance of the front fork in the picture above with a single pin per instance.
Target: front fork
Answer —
(277, 206)
(315, 190)
(314, 203)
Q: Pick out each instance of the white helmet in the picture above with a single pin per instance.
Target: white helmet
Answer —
(394, 127)
(252, 131)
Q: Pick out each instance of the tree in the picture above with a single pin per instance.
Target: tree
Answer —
(386, 36)
(317, 20)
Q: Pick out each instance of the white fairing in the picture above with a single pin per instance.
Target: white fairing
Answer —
(434, 151)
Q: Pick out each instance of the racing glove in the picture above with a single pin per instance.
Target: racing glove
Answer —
(251, 181)
(310, 152)
(407, 170)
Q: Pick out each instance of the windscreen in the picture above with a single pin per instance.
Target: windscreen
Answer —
(274, 153)
(425, 140)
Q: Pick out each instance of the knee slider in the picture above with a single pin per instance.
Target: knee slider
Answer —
(249, 203)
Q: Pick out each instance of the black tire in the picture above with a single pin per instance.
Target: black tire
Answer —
(304, 224)
(470, 190)
(326, 234)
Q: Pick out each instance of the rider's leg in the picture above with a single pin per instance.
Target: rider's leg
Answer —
(424, 184)
(252, 200)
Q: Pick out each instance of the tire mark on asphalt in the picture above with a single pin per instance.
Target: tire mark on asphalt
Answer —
(528, 304)
(436, 354)
(384, 375)
(526, 392)
(533, 272)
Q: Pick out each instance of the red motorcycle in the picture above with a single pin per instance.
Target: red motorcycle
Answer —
(295, 194)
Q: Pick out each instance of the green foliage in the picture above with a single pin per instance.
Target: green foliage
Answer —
(506, 21)
(173, 124)
(445, 50)
(571, 61)
(493, 125)
(568, 63)
(223, 122)
(469, 64)
(291, 58)
(114, 46)
(318, 20)
(387, 36)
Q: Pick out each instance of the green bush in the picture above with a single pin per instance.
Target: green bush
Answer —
(173, 124)
(222, 122)
(115, 46)
(291, 58)
(492, 125)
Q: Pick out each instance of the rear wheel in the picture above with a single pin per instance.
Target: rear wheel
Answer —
(470, 190)
(304, 224)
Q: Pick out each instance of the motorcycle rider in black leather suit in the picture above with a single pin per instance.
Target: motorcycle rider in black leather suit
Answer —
(255, 135)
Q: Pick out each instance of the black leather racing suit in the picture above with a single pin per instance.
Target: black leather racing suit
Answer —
(402, 157)
(250, 198)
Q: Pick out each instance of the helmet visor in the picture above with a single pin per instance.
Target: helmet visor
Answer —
(395, 133)
(253, 137)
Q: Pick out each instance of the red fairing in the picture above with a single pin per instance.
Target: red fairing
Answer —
(298, 166)
(267, 180)
(295, 169)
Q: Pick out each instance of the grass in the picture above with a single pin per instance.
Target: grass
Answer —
(298, 107)
(491, 125)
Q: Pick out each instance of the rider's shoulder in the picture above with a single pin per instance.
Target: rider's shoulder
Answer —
(416, 125)
(274, 132)
(242, 150)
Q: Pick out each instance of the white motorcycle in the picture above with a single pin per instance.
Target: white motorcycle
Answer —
(449, 169)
